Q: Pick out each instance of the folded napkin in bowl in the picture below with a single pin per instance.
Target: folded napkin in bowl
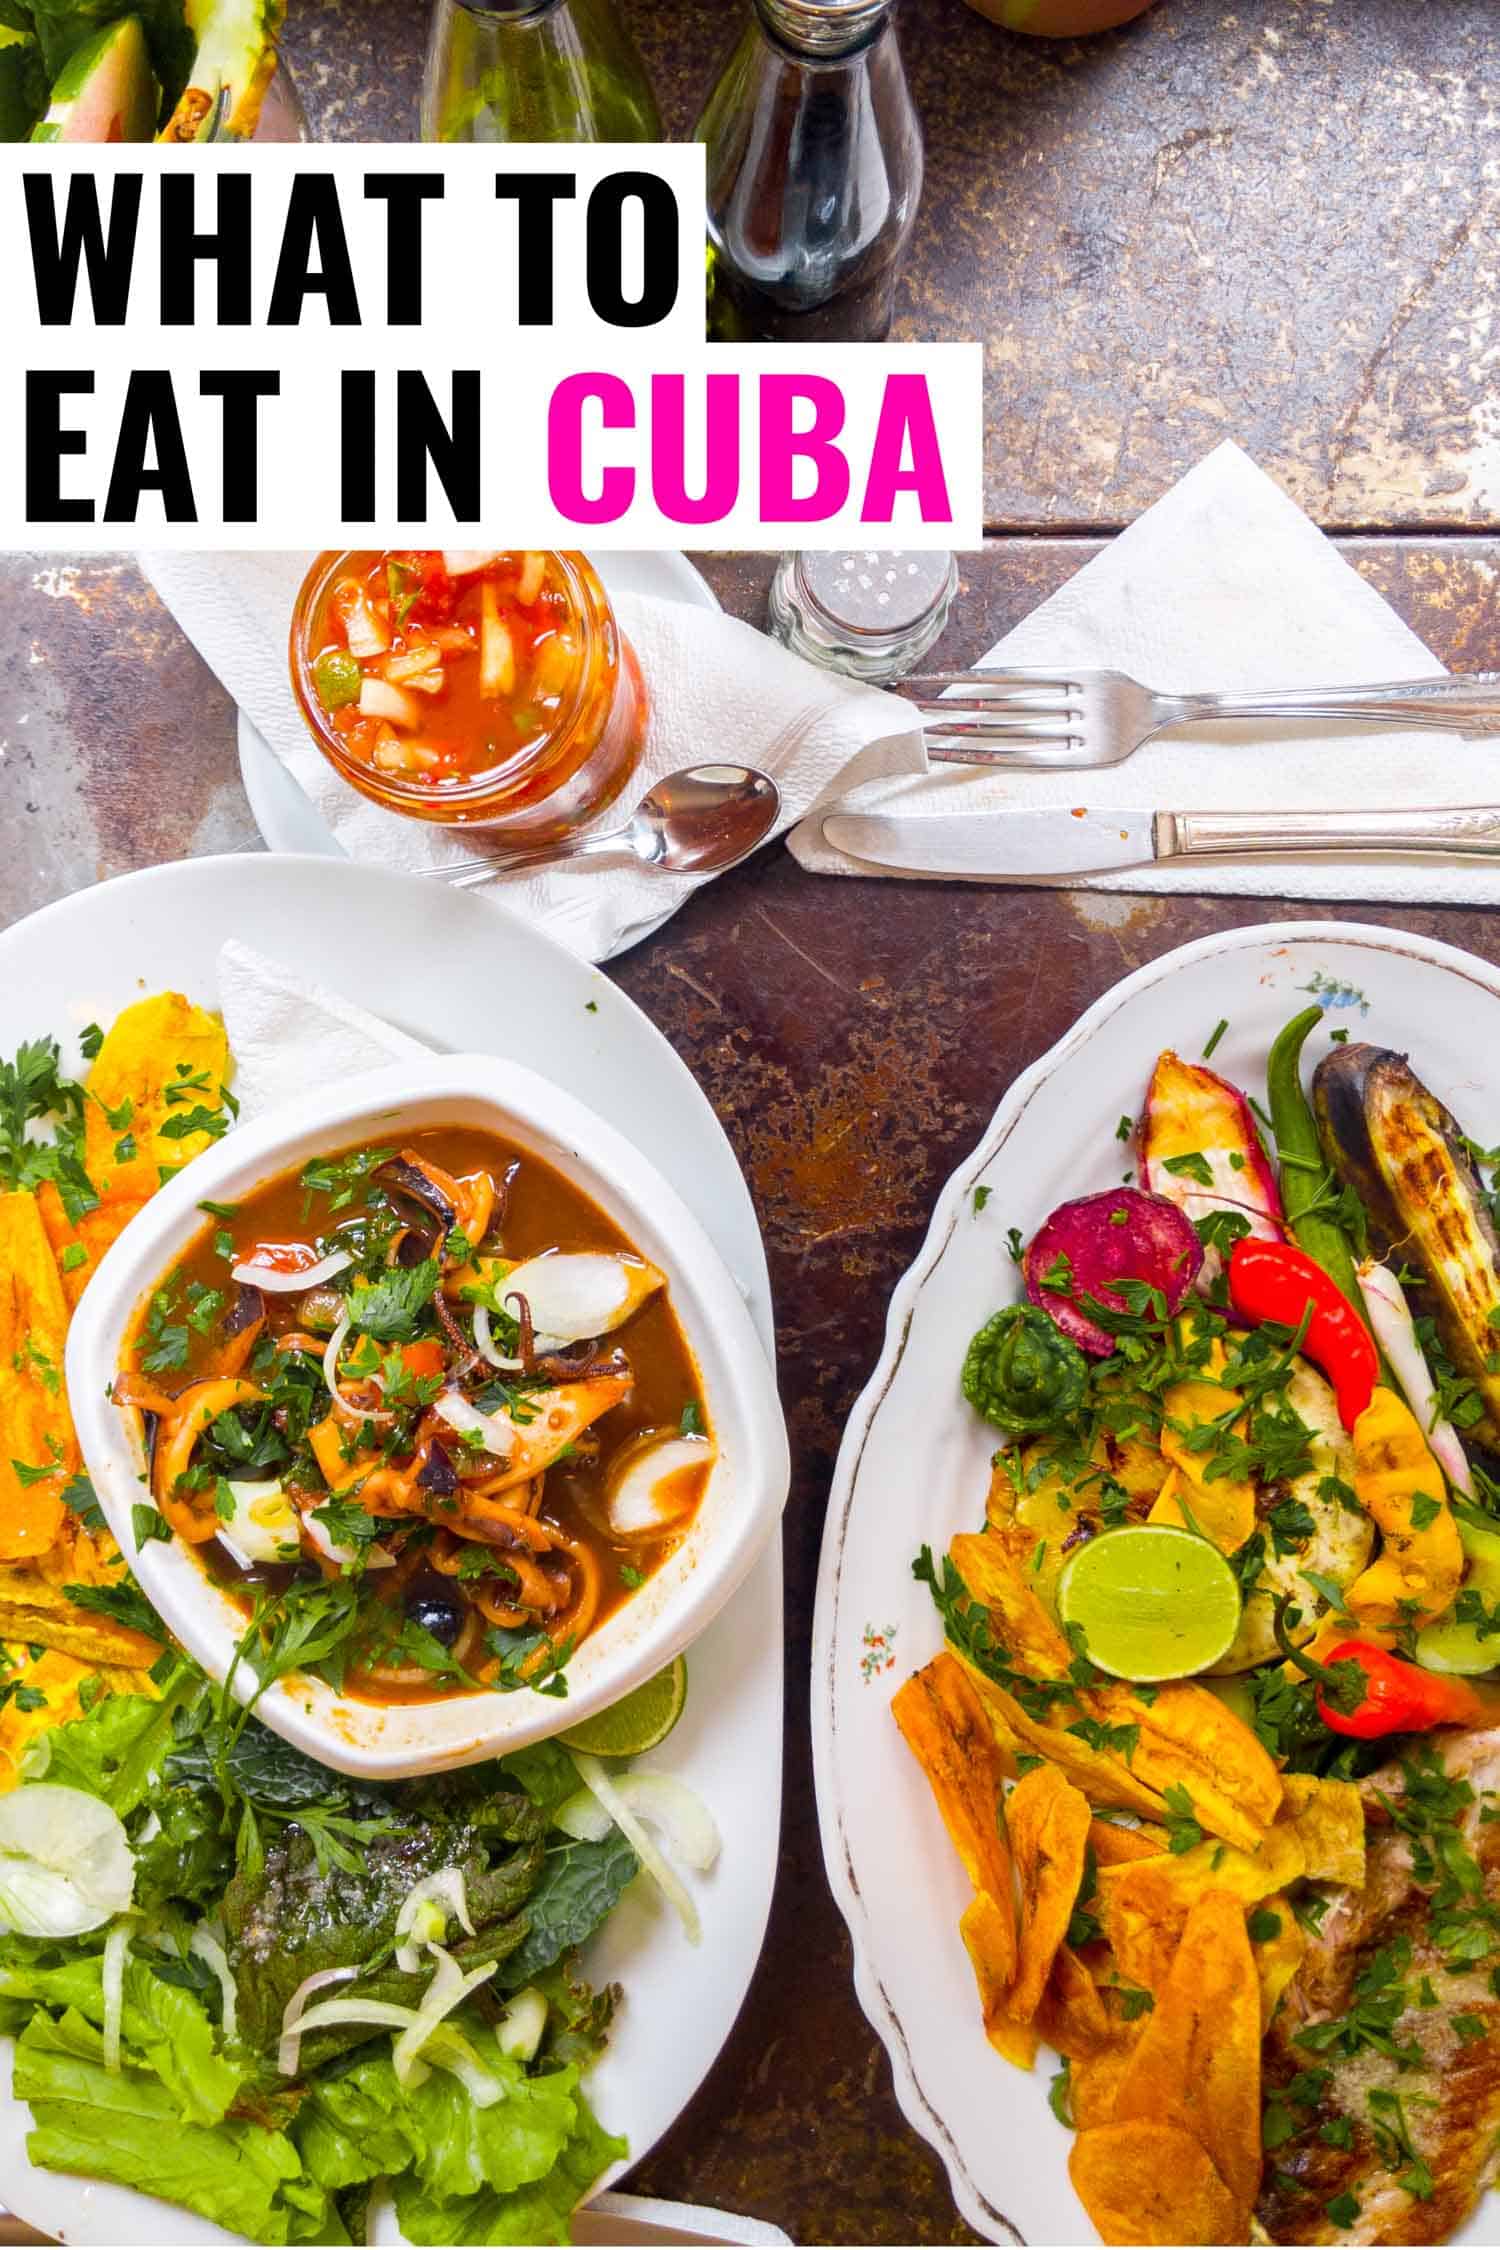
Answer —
(1226, 584)
(719, 690)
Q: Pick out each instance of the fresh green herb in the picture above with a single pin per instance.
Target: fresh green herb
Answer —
(691, 1422)
(981, 1198)
(1060, 2096)
(391, 1308)
(1215, 1036)
(74, 1255)
(1191, 1166)
(1125, 1129)
(1343, 2210)
(219, 1210)
(90, 1040)
(1263, 1925)
(125, 1603)
(1183, 1829)
(631, 1577)
(148, 1523)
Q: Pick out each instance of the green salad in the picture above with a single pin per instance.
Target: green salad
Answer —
(257, 1988)
(90, 70)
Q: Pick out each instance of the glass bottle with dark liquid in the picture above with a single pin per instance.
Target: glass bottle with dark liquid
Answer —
(814, 158)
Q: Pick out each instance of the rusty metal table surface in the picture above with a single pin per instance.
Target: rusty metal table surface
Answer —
(853, 1037)
(1274, 221)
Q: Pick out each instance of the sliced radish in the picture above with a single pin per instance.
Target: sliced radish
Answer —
(650, 1487)
(278, 1280)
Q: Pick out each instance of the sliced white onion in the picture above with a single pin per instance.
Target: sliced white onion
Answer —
(66, 1865)
(336, 1344)
(519, 2032)
(448, 1990)
(208, 1948)
(443, 1891)
(292, 2015)
(593, 1776)
(112, 1973)
(484, 1343)
(582, 1817)
(380, 2015)
(577, 1293)
(492, 1433)
(1395, 1332)
(375, 1556)
(680, 1817)
(277, 1282)
(264, 1528)
(451, 2051)
(638, 1497)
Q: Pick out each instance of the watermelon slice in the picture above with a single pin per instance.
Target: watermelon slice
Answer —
(106, 90)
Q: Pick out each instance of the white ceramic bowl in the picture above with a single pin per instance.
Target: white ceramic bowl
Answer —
(746, 1489)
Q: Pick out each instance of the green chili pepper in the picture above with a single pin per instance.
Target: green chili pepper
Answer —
(1022, 1373)
(337, 678)
(1305, 1178)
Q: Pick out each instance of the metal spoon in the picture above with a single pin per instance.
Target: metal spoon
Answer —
(697, 822)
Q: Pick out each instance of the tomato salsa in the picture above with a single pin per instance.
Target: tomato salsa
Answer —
(428, 1397)
(482, 687)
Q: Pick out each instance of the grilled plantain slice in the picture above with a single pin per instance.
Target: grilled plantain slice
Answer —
(1406, 1157)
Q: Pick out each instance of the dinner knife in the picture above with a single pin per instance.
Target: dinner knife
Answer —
(1084, 840)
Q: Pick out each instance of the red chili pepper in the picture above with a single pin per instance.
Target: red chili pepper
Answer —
(1277, 1281)
(1390, 1696)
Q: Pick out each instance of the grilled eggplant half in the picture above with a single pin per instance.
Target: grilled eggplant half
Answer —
(1392, 1141)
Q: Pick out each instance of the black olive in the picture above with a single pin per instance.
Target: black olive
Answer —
(436, 1610)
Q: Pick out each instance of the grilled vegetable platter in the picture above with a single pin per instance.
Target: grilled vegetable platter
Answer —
(1213, 1718)
(232, 1978)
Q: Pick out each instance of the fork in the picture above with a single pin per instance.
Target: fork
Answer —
(1034, 716)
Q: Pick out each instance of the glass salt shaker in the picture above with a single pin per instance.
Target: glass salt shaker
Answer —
(872, 613)
(814, 172)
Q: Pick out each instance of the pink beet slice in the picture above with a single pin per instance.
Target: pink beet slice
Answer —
(1152, 1242)
(1200, 1148)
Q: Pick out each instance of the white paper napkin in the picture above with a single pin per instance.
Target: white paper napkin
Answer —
(1226, 584)
(719, 691)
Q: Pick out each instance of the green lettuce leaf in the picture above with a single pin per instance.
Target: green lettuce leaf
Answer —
(125, 2127)
(23, 88)
(539, 2213)
(165, 2030)
(117, 1751)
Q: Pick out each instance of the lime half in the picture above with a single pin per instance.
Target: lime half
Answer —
(1155, 1602)
(639, 1721)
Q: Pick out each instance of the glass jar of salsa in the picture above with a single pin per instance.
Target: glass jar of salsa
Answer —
(490, 690)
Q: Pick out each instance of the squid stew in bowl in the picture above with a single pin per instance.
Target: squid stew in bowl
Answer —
(435, 1423)
(436, 1371)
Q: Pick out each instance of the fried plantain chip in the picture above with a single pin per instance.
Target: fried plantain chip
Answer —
(1072, 2016)
(1182, 1736)
(944, 1726)
(162, 1063)
(46, 1691)
(1144, 1904)
(989, 1935)
(1094, 2080)
(79, 1244)
(1197, 2063)
(1047, 1821)
(1328, 1820)
(1113, 1845)
(1104, 1778)
(1143, 2182)
(38, 1450)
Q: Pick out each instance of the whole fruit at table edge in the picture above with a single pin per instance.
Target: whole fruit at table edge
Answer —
(1060, 19)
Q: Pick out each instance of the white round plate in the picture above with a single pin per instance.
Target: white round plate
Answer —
(286, 816)
(914, 1469)
(448, 968)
